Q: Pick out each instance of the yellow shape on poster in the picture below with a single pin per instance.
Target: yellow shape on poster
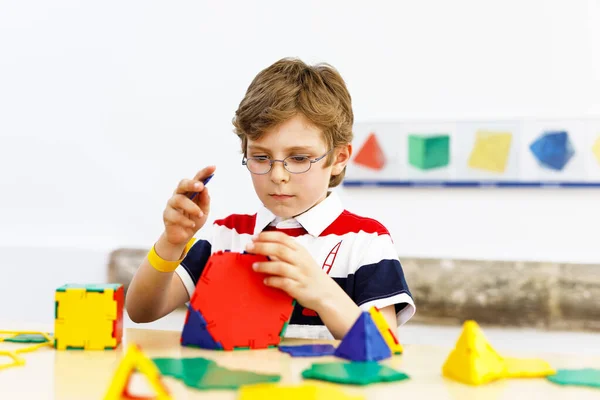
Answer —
(473, 360)
(491, 151)
(527, 368)
(385, 330)
(270, 391)
(596, 149)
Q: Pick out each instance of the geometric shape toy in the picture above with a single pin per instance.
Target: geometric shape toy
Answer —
(596, 149)
(428, 151)
(553, 150)
(576, 377)
(195, 332)
(355, 373)
(39, 340)
(491, 151)
(308, 350)
(363, 342)
(385, 330)
(269, 391)
(370, 154)
(88, 317)
(239, 310)
(473, 360)
(135, 360)
(527, 368)
(202, 373)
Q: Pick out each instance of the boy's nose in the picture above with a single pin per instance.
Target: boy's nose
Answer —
(279, 173)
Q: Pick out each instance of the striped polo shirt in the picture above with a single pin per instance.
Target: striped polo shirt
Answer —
(356, 252)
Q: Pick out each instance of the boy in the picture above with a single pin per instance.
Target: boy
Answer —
(295, 127)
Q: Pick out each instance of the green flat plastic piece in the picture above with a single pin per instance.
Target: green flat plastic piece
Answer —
(93, 287)
(577, 377)
(27, 338)
(354, 373)
(204, 374)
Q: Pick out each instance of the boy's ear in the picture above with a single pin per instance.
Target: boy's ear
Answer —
(342, 157)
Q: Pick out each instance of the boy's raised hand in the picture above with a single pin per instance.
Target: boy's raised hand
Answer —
(292, 269)
(182, 216)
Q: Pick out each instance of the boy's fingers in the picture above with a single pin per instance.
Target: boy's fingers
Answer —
(277, 268)
(174, 217)
(277, 237)
(205, 173)
(286, 284)
(181, 202)
(188, 185)
(274, 250)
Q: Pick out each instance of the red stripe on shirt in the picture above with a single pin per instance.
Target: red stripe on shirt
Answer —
(348, 222)
(242, 223)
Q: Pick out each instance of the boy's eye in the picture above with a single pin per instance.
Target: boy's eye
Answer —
(298, 159)
(261, 158)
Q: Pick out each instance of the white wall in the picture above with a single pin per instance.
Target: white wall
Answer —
(104, 106)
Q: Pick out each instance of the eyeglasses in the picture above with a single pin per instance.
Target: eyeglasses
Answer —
(293, 164)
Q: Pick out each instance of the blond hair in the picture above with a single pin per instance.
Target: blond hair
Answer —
(290, 87)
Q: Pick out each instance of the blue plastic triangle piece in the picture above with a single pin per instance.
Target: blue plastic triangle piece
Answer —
(195, 333)
(363, 342)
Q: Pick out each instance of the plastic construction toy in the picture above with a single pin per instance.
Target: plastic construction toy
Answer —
(576, 377)
(204, 374)
(386, 331)
(88, 317)
(40, 339)
(363, 342)
(269, 391)
(353, 373)
(232, 308)
(309, 350)
(136, 361)
(475, 362)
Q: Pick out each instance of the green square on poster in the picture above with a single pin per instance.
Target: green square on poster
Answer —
(429, 151)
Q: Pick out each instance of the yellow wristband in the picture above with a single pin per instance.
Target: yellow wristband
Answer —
(167, 266)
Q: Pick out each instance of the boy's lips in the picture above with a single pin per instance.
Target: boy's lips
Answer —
(280, 196)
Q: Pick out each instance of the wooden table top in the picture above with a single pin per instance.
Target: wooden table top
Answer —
(50, 374)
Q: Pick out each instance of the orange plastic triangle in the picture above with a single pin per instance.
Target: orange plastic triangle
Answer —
(371, 155)
(135, 360)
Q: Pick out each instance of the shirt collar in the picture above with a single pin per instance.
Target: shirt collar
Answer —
(314, 220)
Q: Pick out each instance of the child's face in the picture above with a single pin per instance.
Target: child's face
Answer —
(283, 193)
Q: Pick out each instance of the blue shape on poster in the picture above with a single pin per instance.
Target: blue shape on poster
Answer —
(309, 350)
(195, 333)
(363, 342)
(553, 150)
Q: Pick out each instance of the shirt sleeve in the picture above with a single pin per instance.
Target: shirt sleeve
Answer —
(193, 264)
(379, 280)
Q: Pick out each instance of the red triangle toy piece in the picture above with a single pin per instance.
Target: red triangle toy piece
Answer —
(371, 155)
(239, 309)
(363, 342)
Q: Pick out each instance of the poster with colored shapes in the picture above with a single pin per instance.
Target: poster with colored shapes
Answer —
(483, 153)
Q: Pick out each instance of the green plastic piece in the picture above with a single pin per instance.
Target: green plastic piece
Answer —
(27, 338)
(577, 377)
(428, 151)
(94, 287)
(204, 374)
(241, 348)
(355, 373)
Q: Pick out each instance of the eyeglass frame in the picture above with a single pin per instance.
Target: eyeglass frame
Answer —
(271, 162)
